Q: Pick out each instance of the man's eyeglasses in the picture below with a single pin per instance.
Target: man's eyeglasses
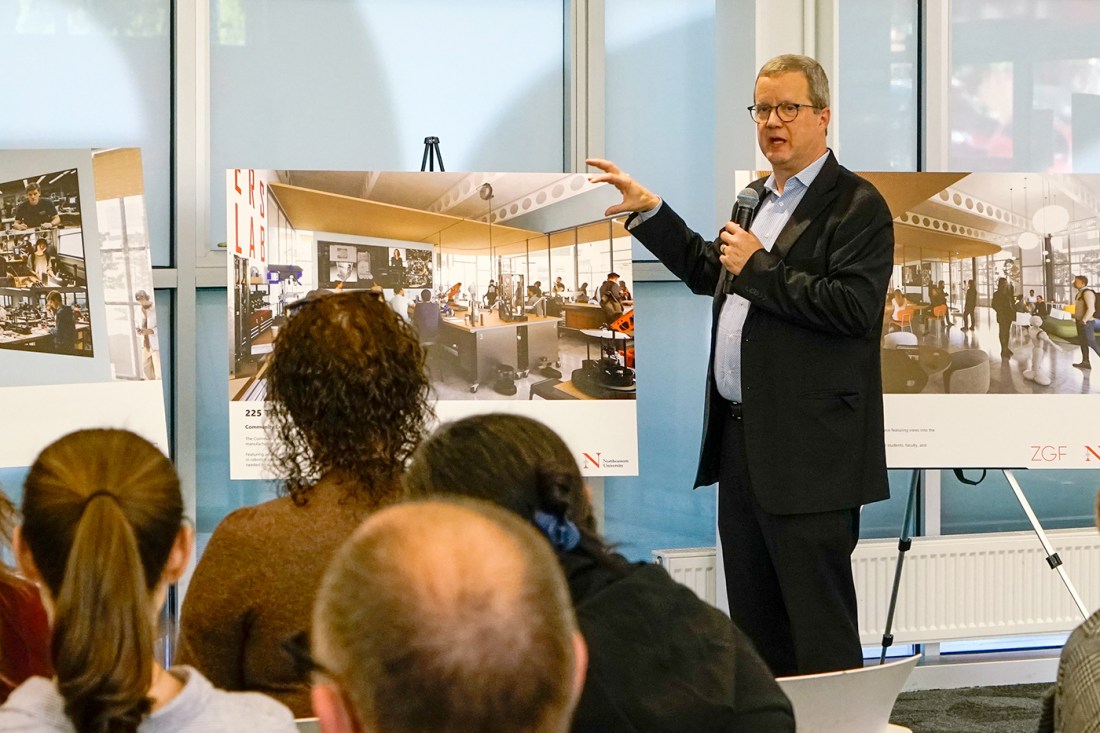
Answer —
(787, 111)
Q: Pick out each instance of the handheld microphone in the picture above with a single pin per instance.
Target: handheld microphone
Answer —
(745, 208)
(743, 211)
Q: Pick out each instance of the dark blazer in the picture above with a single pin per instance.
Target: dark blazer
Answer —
(811, 380)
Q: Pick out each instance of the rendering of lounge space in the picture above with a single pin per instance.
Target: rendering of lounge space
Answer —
(959, 240)
(503, 276)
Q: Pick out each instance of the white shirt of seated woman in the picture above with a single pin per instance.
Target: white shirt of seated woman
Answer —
(1037, 370)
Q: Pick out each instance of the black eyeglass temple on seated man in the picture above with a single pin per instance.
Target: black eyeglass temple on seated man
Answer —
(297, 647)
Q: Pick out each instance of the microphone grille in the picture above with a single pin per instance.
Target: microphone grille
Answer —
(748, 197)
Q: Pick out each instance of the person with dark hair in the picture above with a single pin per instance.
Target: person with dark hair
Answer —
(39, 261)
(426, 318)
(971, 304)
(1002, 306)
(1041, 307)
(103, 536)
(35, 212)
(24, 628)
(347, 394)
(582, 293)
(659, 657)
(445, 617)
(64, 329)
(610, 295)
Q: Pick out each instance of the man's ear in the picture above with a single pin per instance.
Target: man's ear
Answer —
(331, 710)
(580, 664)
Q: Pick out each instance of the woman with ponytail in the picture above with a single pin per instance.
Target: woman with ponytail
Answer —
(660, 659)
(103, 536)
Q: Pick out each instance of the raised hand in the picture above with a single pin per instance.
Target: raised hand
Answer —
(636, 197)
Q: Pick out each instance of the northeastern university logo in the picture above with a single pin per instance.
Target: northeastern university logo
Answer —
(591, 460)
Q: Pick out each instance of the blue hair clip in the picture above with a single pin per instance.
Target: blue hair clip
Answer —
(562, 533)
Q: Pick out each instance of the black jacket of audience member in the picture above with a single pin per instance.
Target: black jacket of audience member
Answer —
(661, 660)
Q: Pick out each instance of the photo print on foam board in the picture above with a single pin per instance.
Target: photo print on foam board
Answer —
(476, 255)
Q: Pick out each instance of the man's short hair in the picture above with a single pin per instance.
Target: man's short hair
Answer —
(1084, 280)
(611, 275)
(141, 295)
(32, 187)
(54, 298)
(808, 67)
(448, 616)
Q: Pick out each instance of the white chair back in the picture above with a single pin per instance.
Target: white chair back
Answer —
(852, 701)
(308, 725)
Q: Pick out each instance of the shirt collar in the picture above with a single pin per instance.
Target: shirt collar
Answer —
(805, 177)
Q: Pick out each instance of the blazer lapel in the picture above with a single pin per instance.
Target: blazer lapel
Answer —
(820, 194)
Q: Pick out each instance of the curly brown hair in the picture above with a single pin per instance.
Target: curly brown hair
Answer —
(348, 395)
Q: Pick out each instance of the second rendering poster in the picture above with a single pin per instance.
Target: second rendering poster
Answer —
(517, 286)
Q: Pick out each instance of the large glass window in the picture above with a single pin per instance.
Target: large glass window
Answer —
(1025, 85)
(875, 98)
(368, 80)
(93, 75)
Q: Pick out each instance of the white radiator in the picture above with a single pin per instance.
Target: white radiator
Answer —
(953, 587)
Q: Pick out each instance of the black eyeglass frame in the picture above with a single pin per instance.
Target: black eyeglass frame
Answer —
(305, 664)
(755, 108)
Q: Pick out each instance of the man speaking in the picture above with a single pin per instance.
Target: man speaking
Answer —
(793, 428)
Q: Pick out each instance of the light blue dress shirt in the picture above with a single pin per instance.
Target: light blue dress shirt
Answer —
(770, 219)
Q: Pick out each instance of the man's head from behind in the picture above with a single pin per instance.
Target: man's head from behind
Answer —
(446, 616)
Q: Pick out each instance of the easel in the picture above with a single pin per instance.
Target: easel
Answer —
(909, 525)
(431, 155)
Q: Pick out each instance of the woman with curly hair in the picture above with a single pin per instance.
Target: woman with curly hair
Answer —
(347, 399)
(659, 658)
(24, 630)
(103, 535)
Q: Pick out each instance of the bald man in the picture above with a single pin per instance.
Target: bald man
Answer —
(446, 616)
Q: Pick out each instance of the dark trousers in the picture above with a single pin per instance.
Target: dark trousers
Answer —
(788, 577)
(968, 318)
(1003, 330)
(1084, 341)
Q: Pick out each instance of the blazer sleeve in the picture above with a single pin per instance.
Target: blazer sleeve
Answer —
(846, 295)
(683, 251)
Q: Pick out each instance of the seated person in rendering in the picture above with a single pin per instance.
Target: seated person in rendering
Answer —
(426, 317)
(1041, 308)
(558, 286)
(1073, 704)
(35, 212)
(103, 536)
(347, 397)
(39, 261)
(401, 303)
(486, 639)
(660, 659)
(64, 328)
(582, 294)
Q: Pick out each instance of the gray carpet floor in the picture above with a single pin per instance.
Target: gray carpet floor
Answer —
(1006, 709)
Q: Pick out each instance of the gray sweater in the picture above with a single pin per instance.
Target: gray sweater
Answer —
(36, 705)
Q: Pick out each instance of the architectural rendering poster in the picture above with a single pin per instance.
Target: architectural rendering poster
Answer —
(505, 277)
(982, 360)
(78, 329)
